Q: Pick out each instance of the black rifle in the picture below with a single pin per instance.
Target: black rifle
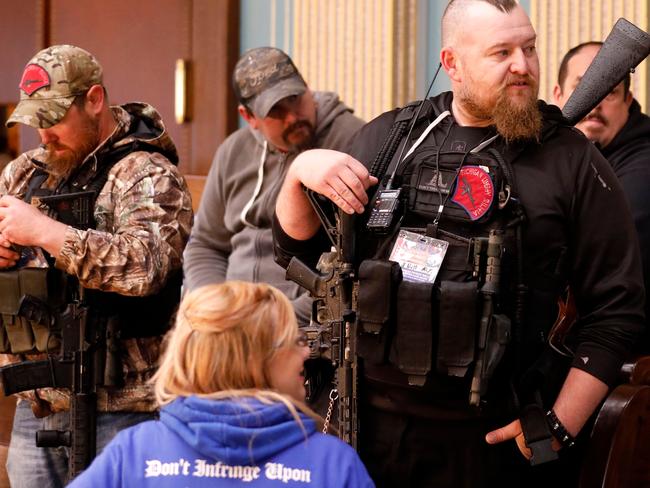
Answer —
(333, 329)
(79, 364)
(73, 368)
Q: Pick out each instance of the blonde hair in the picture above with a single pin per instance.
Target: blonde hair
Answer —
(222, 340)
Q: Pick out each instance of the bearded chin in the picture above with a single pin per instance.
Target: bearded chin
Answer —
(63, 165)
(517, 122)
(304, 143)
(513, 121)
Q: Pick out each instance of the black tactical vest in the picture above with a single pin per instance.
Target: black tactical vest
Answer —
(456, 330)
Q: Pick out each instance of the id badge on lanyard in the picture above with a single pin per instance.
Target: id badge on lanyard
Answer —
(419, 256)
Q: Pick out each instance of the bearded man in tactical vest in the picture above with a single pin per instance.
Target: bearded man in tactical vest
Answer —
(455, 358)
(97, 215)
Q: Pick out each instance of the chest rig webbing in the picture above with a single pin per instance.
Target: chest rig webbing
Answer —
(32, 294)
(460, 325)
(137, 316)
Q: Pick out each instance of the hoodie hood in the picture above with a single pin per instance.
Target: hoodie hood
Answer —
(328, 107)
(140, 123)
(236, 431)
(139, 127)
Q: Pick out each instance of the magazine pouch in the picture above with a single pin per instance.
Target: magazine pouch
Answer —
(378, 282)
(457, 329)
(20, 335)
(413, 344)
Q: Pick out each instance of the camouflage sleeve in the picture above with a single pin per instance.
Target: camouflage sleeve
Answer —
(15, 176)
(144, 216)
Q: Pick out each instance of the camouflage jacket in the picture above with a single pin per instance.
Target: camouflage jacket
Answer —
(144, 216)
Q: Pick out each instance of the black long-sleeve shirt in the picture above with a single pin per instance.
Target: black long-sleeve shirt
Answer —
(629, 155)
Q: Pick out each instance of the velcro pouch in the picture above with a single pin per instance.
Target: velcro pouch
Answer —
(413, 343)
(8, 305)
(18, 336)
(34, 282)
(457, 328)
(468, 184)
(9, 292)
(378, 281)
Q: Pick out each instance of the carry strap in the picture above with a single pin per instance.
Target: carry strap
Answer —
(537, 434)
(38, 178)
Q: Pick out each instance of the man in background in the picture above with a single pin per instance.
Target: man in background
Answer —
(231, 237)
(622, 134)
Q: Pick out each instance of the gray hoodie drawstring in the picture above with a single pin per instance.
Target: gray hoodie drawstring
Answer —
(258, 187)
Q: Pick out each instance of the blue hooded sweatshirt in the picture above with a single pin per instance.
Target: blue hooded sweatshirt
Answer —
(237, 442)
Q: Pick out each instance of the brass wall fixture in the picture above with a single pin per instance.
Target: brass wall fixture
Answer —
(180, 91)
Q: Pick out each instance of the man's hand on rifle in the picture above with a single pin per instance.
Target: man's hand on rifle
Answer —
(334, 174)
(25, 225)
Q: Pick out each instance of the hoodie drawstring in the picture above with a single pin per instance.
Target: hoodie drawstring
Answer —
(256, 192)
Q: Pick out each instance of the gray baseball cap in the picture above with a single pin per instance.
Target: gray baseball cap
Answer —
(51, 81)
(265, 75)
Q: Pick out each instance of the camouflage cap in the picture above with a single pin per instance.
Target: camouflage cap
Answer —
(265, 75)
(51, 81)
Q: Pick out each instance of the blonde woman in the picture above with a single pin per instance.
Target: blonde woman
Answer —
(231, 389)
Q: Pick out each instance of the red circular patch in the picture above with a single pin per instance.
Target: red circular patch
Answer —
(474, 191)
(34, 78)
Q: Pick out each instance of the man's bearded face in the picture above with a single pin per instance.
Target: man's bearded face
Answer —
(63, 155)
(512, 108)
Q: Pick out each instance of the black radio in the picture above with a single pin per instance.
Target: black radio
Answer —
(383, 211)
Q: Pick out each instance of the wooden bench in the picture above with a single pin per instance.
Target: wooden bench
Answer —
(618, 455)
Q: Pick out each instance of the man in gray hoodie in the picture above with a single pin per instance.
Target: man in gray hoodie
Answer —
(231, 238)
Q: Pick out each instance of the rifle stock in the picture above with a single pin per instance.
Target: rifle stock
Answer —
(625, 47)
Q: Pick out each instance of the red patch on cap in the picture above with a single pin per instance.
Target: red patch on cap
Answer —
(474, 191)
(34, 78)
